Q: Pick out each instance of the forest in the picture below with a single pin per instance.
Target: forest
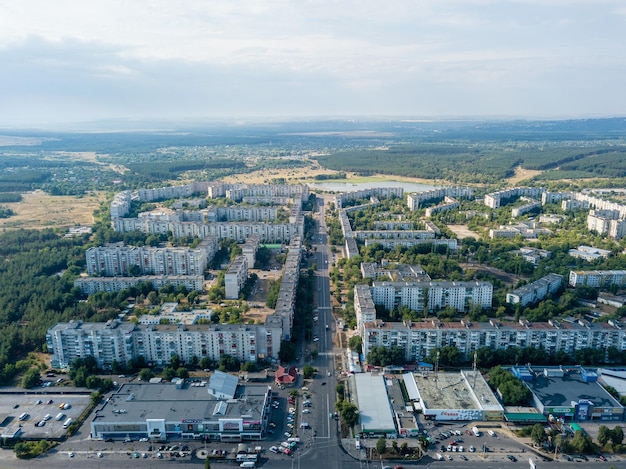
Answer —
(464, 163)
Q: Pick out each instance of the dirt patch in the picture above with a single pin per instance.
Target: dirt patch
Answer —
(522, 174)
(38, 210)
(291, 175)
(462, 231)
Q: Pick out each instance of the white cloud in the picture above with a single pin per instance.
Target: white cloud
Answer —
(115, 57)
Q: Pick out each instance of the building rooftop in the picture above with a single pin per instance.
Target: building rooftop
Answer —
(141, 401)
(562, 391)
(464, 390)
(373, 403)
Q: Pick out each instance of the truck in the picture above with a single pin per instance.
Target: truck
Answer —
(476, 431)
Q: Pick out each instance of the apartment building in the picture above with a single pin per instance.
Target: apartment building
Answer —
(239, 231)
(415, 200)
(250, 248)
(393, 234)
(236, 277)
(496, 199)
(419, 339)
(364, 307)
(113, 260)
(382, 192)
(535, 291)
(449, 203)
(124, 341)
(597, 278)
(392, 243)
(433, 296)
(91, 285)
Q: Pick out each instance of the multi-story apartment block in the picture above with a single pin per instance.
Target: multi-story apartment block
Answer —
(525, 230)
(238, 191)
(114, 260)
(536, 290)
(364, 307)
(120, 206)
(107, 342)
(495, 199)
(286, 302)
(415, 200)
(392, 243)
(352, 250)
(394, 272)
(394, 225)
(91, 285)
(529, 207)
(597, 278)
(433, 296)
(173, 192)
(250, 248)
(242, 213)
(381, 192)
(393, 234)
(449, 203)
(236, 277)
(121, 342)
(239, 231)
(419, 339)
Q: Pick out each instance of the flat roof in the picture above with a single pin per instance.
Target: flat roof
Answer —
(464, 390)
(137, 402)
(373, 403)
(561, 392)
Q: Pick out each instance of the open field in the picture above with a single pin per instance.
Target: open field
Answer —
(39, 210)
(522, 174)
(462, 231)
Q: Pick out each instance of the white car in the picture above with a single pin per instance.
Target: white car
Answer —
(306, 411)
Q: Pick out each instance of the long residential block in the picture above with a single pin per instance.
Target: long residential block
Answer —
(419, 339)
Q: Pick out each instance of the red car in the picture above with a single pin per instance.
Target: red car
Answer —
(601, 458)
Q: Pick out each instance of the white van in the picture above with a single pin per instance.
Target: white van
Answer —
(67, 423)
(248, 464)
(24, 416)
(358, 444)
(60, 416)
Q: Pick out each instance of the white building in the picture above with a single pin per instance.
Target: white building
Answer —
(113, 260)
(419, 339)
(433, 295)
(597, 278)
(535, 291)
(91, 285)
(124, 341)
(236, 277)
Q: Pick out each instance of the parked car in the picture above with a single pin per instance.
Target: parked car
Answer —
(512, 458)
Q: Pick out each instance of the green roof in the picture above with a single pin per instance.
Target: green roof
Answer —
(524, 417)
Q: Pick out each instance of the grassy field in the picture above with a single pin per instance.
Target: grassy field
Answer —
(39, 210)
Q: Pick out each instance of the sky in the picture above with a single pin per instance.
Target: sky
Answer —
(67, 61)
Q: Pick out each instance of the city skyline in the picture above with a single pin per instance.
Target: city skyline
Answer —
(72, 62)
